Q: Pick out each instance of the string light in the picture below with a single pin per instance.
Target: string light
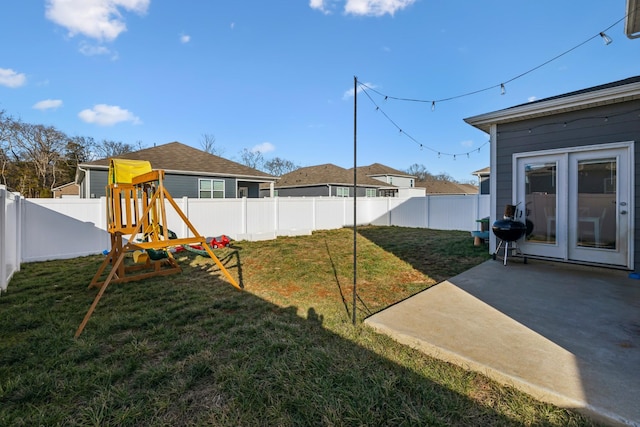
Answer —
(402, 132)
(601, 34)
(567, 123)
(502, 87)
(607, 40)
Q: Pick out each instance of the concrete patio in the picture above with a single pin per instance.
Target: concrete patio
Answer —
(566, 334)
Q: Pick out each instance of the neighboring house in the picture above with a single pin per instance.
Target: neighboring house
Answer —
(70, 189)
(327, 180)
(404, 184)
(483, 179)
(189, 172)
(446, 187)
(569, 164)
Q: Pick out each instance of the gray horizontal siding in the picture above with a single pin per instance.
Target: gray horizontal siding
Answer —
(97, 183)
(602, 125)
(312, 191)
(176, 185)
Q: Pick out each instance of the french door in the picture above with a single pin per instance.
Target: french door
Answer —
(577, 204)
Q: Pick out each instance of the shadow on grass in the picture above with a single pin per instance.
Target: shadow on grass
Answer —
(438, 254)
(192, 350)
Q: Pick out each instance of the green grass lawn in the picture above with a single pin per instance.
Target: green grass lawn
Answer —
(190, 349)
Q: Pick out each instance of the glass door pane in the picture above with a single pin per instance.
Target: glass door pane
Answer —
(596, 219)
(540, 197)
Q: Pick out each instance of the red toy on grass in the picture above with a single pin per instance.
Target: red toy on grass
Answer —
(219, 242)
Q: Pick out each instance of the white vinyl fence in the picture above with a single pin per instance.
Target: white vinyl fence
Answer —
(9, 235)
(44, 229)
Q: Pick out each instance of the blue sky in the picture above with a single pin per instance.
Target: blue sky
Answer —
(278, 76)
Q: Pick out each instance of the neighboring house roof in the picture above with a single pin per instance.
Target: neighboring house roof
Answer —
(447, 187)
(632, 21)
(482, 172)
(378, 169)
(610, 93)
(471, 189)
(178, 157)
(68, 189)
(326, 174)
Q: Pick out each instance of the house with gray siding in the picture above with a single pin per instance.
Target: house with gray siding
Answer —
(483, 179)
(404, 185)
(326, 180)
(189, 172)
(570, 165)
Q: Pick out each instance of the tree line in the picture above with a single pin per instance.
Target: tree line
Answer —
(35, 158)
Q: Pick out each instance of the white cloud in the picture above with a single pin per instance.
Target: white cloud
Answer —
(467, 143)
(350, 92)
(107, 115)
(376, 7)
(232, 25)
(185, 38)
(10, 78)
(98, 19)
(320, 5)
(89, 49)
(532, 98)
(48, 104)
(265, 147)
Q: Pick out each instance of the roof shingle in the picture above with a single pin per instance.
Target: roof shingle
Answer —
(178, 157)
(326, 174)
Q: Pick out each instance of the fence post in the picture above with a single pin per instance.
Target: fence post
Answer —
(185, 211)
(427, 210)
(276, 215)
(19, 225)
(313, 214)
(244, 215)
(3, 247)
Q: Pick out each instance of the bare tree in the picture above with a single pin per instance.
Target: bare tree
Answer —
(107, 148)
(208, 144)
(42, 147)
(253, 159)
(7, 127)
(278, 166)
(419, 171)
(443, 176)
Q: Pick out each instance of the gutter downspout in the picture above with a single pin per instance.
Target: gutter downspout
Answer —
(86, 186)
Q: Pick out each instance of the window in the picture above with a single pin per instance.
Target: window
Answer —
(211, 189)
(371, 192)
(342, 192)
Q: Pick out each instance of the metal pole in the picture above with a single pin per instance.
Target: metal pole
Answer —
(355, 194)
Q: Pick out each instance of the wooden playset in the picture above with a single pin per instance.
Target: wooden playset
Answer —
(136, 222)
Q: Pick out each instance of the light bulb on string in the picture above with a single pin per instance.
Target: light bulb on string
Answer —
(503, 90)
(607, 40)
(433, 105)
